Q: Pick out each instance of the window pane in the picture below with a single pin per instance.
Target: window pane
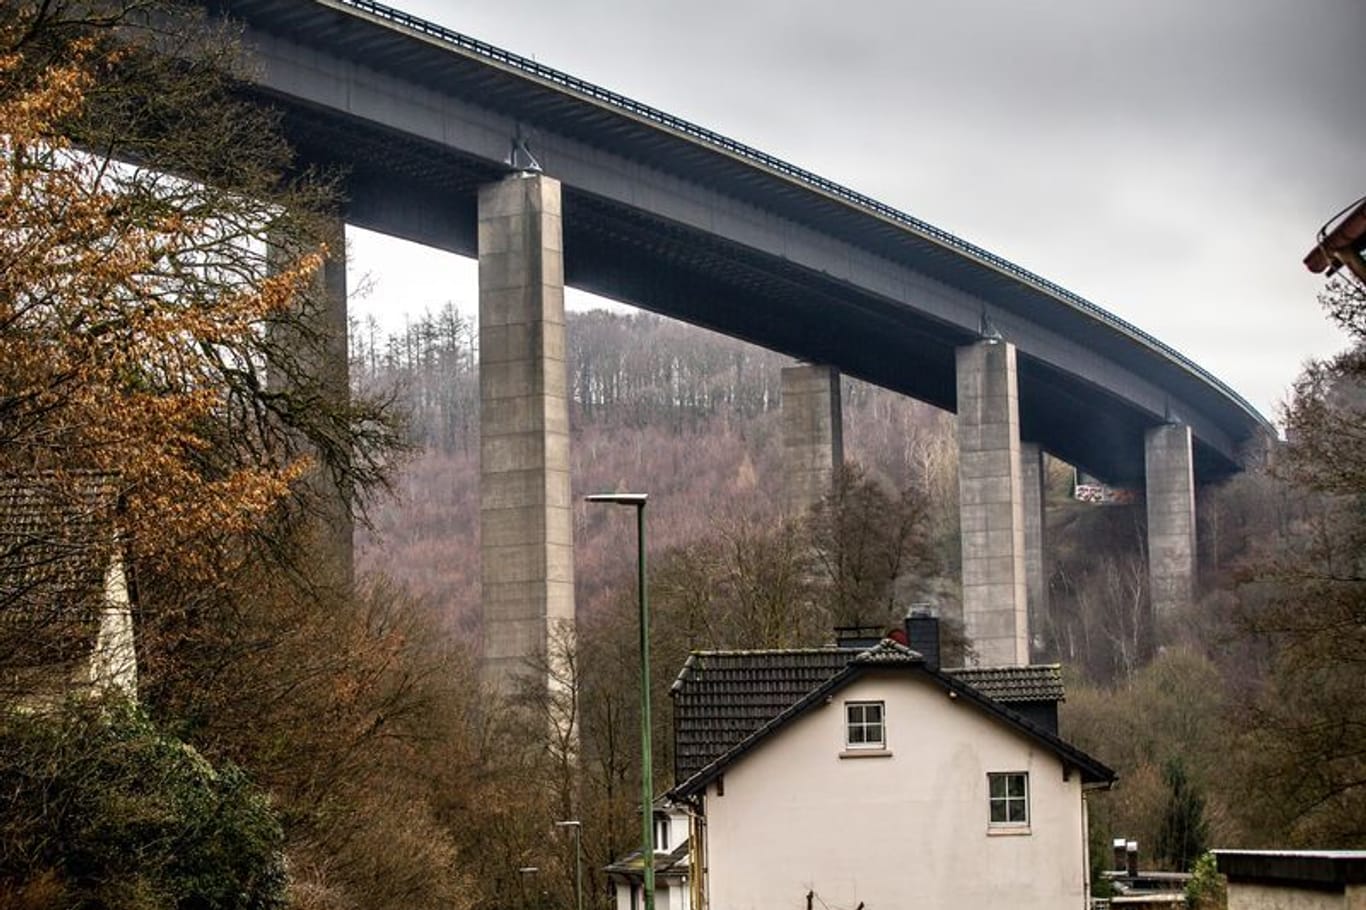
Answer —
(998, 786)
(855, 734)
(1016, 785)
(1017, 810)
(998, 812)
(874, 713)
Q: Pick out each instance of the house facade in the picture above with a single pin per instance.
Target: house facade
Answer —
(888, 783)
(673, 878)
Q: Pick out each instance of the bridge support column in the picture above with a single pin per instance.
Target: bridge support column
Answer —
(323, 370)
(991, 504)
(813, 434)
(1032, 479)
(1170, 495)
(525, 516)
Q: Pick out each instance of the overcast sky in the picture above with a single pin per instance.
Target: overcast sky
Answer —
(1170, 160)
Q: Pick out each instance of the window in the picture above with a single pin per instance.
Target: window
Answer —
(1008, 795)
(662, 833)
(863, 725)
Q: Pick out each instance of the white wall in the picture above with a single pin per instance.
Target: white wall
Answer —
(909, 829)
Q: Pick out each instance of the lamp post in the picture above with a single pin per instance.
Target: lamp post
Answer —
(647, 814)
(577, 827)
(523, 873)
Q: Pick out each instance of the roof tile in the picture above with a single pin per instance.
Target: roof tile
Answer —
(721, 697)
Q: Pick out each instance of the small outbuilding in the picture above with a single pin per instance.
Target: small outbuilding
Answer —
(1294, 879)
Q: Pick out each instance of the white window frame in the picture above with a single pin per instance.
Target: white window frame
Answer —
(864, 725)
(661, 835)
(1007, 799)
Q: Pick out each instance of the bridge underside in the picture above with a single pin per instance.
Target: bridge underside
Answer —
(643, 208)
(406, 188)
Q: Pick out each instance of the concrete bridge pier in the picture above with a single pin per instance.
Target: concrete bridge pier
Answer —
(525, 509)
(991, 504)
(326, 363)
(1033, 487)
(813, 434)
(1170, 494)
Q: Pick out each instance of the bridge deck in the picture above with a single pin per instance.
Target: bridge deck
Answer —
(669, 216)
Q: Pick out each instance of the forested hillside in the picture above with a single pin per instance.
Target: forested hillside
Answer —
(689, 416)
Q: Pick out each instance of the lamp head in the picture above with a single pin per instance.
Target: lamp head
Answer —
(620, 499)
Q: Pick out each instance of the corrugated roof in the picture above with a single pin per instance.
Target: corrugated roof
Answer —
(721, 697)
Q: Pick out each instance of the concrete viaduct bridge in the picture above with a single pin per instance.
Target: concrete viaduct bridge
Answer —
(639, 206)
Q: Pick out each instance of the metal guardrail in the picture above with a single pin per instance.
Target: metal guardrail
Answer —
(799, 175)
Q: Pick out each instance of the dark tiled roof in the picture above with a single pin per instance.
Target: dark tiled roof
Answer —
(674, 862)
(720, 697)
(56, 539)
(1039, 682)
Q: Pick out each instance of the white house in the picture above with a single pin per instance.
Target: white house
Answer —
(673, 879)
(883, 782)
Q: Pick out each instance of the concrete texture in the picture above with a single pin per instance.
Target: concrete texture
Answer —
(1035, 532)
(335, 374)
(1171, 516)
(525, 518)
(991, 504)
(321, 347)
(813, 434)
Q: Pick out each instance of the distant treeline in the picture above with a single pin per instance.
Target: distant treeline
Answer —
(623, 369)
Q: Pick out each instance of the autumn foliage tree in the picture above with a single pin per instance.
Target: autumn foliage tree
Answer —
(151, 248)
(159, 327)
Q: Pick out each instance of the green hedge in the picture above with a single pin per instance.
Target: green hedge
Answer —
(102, 810)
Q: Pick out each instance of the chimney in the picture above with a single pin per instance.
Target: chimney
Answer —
(858, 637)
(1131, 855)
(1121, 862)
(922, 633)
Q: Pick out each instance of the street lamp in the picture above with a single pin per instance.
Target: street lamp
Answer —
(577, 827)
(647, 814)
(523, 873)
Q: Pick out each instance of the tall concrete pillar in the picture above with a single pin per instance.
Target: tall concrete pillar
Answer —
(991, 504)
(1171, 516)
(525, 515)
(1035, 532)
(321, 370)
(813, 434)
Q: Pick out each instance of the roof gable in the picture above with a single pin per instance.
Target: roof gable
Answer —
(721, 697)
(886, 656)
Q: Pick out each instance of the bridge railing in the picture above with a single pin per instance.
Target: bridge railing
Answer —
(800, 175)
